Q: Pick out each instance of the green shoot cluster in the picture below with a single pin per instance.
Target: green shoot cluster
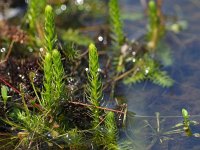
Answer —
(50, 34)
(116, 23)
(48, 75)
(94, 87)
(4, 94)
(33, 13)
(155, 27)
(111, 131)
(186, 122)
(147, 68)
(53, 79)
(94, 95)
(53, 68)
(58, 73)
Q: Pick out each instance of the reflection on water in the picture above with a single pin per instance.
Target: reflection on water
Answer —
(161, 132)
(145, 99)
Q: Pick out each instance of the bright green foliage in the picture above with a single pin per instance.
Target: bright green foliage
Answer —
(53, 68)
(50, 34)
(58, 74)
(111, 131)
(33, 13)
(186, 122)
(53, 79)
(75, 139)
(148, 69)
(33, 123)
(48, 78)
(71, 53)
(185, 114)
(153, 18)
(161, 78)
(115, 23)
(155, 28)
(138, 77)
(4, 94)
(94, 87)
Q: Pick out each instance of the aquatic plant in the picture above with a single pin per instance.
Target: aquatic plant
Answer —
(71, 53)
(58, 74)
(75, 139)
(4, 94)
(49, 29)
(147, 68)
(33, 14)
(110, 131)
(53, 122)
(117, 34)
(156, 27)
(30, 125)
(116, 26)
(144, 66)
(161, 78)
(48, 77)
(94, 91)
(53, 68)
(186, 122)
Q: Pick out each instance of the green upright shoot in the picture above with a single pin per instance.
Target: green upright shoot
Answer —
(50, 34)
(58, 74)
(156, 28)
(48, 76)
(111, 131)
(33, 13)
(4, 94)
(116, 25)
(94, 86)
(53, 68)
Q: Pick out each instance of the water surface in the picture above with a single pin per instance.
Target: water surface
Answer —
(145, 99)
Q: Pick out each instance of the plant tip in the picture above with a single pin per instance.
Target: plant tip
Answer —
(48, 8)
(91, 46)
(55, 53)
(185, 113)
(152, 5)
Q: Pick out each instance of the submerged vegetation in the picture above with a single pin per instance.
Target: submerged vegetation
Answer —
(65, 98)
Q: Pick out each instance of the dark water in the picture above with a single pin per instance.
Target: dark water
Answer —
(145, 99)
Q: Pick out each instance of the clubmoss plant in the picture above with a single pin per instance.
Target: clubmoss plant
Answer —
(4, 94)
(94, 87)
(155, 28)
(116, 24)
(117, 33)
(50, 34)
(111, 131)
(53, 68)
(33, 13)
(48, 78)
(71, 53)
(75, 139)
(58, 74)
(147, 68)
(161, 78)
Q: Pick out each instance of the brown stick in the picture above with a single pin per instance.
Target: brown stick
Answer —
(103, 108)
(8, 84)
